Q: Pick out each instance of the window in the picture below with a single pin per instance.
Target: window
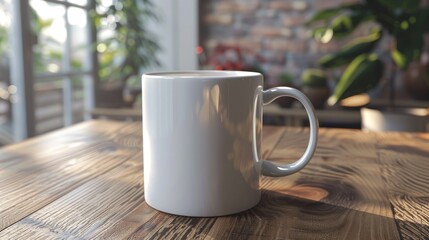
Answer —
(61, 62)
(6, 89)
(48, 62)
(46, 73)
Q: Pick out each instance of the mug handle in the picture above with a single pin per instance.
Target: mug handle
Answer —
(272, 170)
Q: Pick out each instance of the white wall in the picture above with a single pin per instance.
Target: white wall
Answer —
(177, 34)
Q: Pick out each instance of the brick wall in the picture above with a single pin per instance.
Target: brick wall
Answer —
(273, 30)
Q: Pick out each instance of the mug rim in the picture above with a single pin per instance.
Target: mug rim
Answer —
(199, 74)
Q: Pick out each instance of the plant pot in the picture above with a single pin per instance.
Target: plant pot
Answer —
(284, 102)
(130, 96)
(110, 97)
(400, 119)
(416, 81)
(317, 96)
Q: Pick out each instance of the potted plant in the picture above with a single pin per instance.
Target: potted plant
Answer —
(124, 47)
(406, 23)
(416, 78)
(285, 79)
(315, 86)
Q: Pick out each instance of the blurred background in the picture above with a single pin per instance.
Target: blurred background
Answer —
(66, 61)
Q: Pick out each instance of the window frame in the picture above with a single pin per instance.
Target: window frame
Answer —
(24, 78)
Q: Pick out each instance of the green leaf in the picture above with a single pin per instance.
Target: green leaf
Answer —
(400, 59)
(342, 26)
(350, 51)
(324, 15)
(286, 79)
(362, 75)
(323, 34)
(314, 77)
(327, 14)
(345, 24)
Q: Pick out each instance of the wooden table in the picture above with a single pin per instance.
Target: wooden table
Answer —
(87, 182)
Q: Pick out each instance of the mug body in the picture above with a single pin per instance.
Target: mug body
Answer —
(201, 141)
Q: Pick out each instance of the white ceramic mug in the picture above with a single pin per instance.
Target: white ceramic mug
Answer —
(202, 140)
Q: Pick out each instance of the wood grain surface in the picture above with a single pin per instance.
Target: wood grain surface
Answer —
(86, 182)
(405, 167)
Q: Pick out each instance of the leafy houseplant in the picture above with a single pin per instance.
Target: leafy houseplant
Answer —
(125, 46)
(285, 79)
(405, 21)
(315, 86)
